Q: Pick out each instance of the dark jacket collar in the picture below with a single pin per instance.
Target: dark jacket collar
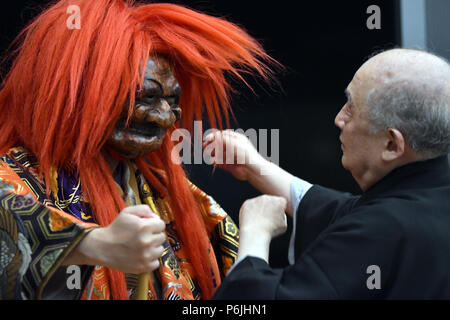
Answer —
(416, 175)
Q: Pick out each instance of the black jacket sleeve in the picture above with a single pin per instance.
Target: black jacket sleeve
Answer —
(335, 266)
(319, 208)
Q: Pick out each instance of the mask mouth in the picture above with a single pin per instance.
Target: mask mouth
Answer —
(148, 129)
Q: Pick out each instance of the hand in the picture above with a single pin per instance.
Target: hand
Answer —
(242, 157)
(132, 243)
(264, 215)
(260, 220)
(247, 164)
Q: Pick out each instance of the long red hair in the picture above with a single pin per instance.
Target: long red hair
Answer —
(67, 88)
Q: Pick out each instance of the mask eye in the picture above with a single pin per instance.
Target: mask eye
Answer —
(172, 100)
(149, 99)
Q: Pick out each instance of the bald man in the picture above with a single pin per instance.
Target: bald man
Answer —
(393, 241)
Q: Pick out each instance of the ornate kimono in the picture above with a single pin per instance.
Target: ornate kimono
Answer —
(37, 232)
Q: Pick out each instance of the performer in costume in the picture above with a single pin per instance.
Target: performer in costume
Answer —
(86, 121)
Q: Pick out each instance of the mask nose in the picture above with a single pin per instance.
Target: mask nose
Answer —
(166, 117)
(177, 112)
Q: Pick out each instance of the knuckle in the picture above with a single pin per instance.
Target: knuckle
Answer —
(143, 228)
(146, 257)
(124, 210)
(158, 251)
(157, 221)
(153, 265)
(282, 202)
(162, 225)
(160, 239)
(143, 242)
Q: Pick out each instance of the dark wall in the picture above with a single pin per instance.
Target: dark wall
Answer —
(322, 44)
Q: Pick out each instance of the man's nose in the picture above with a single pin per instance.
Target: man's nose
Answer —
(339, 120)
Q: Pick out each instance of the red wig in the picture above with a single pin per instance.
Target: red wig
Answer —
(67, 88)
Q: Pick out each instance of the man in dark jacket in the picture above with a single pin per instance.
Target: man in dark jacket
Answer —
(393, 242)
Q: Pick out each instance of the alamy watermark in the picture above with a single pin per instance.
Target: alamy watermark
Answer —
(374, 20)
(374, 280)
(73, 281)
(74, 20)
(218, 153)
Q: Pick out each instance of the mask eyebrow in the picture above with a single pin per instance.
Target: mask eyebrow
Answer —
(152, 87)
(176, 90)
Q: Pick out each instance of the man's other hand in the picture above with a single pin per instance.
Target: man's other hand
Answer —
(264, 214)
(260, 220)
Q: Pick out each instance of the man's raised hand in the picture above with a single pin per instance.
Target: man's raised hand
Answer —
(234, 152)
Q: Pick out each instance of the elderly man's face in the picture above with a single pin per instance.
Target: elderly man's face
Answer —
(156, 111)
(361, 149)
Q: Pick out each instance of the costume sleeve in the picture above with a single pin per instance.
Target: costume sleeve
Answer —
(226, 236)
(222, 230)
(338, 265)
(34, 240)
(318, 209)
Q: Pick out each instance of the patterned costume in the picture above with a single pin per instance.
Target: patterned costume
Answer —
(37, 233)
(66, 91)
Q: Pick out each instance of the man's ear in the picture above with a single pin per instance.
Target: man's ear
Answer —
(394, 146)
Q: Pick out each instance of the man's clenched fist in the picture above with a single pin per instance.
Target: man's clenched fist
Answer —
(264, 214)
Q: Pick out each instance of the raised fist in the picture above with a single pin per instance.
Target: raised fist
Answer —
(264, 214)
